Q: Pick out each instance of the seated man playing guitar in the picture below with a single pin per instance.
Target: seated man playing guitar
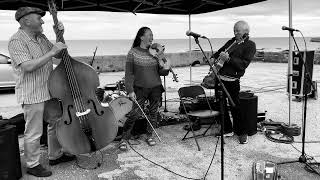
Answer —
(231, 60)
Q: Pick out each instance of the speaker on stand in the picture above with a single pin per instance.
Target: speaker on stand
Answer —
(10, 165)
(298, 80)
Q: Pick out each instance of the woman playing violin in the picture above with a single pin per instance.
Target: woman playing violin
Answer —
(143, 82)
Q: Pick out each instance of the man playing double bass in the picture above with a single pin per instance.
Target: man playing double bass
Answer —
(230, 73)
(31, 53)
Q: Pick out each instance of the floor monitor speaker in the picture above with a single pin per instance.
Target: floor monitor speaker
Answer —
(10, 165)
(249, 110)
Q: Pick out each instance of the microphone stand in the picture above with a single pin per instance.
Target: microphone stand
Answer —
(222, 94)
(307, 79)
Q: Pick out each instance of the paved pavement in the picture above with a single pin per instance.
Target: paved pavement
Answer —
(267, 80)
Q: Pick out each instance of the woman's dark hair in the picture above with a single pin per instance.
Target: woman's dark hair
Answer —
(140, 33)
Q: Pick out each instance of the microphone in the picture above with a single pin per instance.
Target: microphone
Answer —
(288, 28)
(195, 35)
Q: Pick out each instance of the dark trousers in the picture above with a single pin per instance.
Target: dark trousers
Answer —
(153, 95)
(239, 125)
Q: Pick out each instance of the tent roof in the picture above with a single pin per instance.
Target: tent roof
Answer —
(134, 6)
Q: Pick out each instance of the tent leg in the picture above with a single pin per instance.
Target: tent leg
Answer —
(190, 50)
(290, 61)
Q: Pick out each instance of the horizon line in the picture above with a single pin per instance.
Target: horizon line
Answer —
(176, 38)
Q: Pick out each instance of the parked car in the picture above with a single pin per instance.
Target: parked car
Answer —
(7, 77)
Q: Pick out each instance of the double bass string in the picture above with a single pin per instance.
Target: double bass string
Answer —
(70, 74)
(72, 81)
(76, 92)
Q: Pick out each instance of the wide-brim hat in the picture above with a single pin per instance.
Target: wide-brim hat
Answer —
(23, 11)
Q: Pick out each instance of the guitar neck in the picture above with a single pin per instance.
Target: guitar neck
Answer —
(229, 49)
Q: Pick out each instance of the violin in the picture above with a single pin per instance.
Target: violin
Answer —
(156, 49)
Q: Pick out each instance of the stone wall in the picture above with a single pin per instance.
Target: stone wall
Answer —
(115, 63)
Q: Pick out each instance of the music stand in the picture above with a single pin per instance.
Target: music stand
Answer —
(307, 79)
(223, 92)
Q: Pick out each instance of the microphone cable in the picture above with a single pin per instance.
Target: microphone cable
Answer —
(215, 150)
(159, 165)
(167, 169)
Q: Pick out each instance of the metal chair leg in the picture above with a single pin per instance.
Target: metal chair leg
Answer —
(185, 135)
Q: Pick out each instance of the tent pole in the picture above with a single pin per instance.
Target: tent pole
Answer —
(190, 50)
(290, 60)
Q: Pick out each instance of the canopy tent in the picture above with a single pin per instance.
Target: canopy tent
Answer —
(173, 7)
(135, 6)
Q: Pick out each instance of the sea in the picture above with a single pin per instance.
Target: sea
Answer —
(122, 46)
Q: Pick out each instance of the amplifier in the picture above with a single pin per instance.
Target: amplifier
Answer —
(10, 165)
(299, 85)
(249, 111)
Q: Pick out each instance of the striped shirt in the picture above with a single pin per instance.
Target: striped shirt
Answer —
(31, 87)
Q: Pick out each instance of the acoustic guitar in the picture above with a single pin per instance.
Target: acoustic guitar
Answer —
(209, 80)
(218, 63)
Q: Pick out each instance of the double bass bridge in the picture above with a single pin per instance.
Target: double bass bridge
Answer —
(79, 114)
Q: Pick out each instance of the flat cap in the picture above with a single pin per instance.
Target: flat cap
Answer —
(23, 11)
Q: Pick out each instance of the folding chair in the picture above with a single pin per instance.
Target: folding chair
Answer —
(189, 95)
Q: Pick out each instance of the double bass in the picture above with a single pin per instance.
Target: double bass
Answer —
(85, 126)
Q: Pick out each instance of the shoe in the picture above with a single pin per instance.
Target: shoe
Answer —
(123, 146)
(39, 171)
(225, 134)
(62, 159)
(151, 141)
(243, 139)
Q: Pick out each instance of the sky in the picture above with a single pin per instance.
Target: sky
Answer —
(265, 20)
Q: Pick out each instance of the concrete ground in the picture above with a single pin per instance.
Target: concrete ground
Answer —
(267, 80)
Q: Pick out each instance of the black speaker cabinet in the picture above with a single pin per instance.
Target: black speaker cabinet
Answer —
(249, 110)
(10, 165)
(299, 85)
